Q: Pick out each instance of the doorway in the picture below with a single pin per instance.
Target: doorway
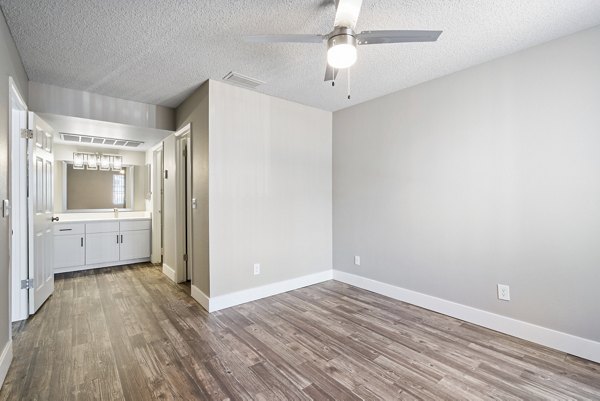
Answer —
(184, 205)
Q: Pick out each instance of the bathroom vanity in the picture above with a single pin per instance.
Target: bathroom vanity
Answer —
(92, 240)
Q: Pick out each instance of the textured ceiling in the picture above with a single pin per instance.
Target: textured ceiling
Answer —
(159, 51)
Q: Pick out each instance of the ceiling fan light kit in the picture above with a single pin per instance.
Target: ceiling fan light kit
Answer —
(341, 52)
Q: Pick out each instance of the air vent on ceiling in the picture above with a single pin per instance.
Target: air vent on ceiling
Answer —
(242, 80)
(99, 140)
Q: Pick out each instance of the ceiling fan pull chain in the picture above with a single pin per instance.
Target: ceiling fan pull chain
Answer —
(348, 83)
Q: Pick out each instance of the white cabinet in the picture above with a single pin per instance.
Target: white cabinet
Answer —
(69, 250)
(135, 239)
(80, 246)
(101, 248)
(135, 245)
(102, 242)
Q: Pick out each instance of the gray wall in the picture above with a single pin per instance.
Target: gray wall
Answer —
(490, 175)
(10, 65)
(194, 111)
(270, 189)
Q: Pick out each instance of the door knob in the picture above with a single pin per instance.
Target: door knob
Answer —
(54, 219)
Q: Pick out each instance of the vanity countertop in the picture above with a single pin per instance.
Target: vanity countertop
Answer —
(92, 217)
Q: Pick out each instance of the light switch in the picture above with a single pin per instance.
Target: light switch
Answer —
(5, 208)
(194, 203)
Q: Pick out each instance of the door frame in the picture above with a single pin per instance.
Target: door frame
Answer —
(17, 194)
(183, 212)
(157, 202)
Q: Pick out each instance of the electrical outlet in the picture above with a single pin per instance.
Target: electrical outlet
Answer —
(503, 292)
(357, 260)
(256, 269)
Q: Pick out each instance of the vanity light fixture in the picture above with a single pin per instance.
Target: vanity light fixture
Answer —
(78, 161)
(104, 163)
(92, 161)
(117, 164)
(95, 161)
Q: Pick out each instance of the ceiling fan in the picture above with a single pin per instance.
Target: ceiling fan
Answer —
(342, 41)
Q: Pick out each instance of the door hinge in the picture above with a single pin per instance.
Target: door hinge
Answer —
(27, 133)
(162, 251)
(185, 257)
(27, 284)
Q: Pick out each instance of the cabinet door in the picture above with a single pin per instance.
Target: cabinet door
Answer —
(101, 248)
(135, 245)
(69, 251)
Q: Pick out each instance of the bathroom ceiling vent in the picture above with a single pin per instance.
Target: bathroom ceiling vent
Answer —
(97, 140)
(242, 80)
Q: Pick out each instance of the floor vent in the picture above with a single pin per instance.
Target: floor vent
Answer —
(242, 80)
(97, 140)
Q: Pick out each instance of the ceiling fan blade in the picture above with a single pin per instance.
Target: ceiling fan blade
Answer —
(347, 12)
(330, 73)
(378, 37)
(284, 38)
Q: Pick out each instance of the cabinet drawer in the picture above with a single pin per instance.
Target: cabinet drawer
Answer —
(102, 227)
(135, 225)
(68, 229)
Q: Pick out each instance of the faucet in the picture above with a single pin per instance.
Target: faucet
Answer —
(116, 213)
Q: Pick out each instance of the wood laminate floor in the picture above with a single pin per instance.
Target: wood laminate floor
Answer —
(130, 334)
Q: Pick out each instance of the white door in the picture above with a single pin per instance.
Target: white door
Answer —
(41, 241)
(101, 248)
(135, 244)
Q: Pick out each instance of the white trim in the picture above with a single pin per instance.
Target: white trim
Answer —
(100, 265)
(5, 361)
(17, 194)
(183, 130)
(169, 272)
(157, 177)
(201, 297)
(13, 86)
(252, 294)
(182, 206)
(568, 343)
(156, 147)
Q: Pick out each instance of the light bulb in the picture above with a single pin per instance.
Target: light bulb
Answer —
(77, 160)
(341, 56)
(117, 163)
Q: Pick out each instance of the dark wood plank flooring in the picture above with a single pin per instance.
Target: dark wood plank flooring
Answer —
(130, 334)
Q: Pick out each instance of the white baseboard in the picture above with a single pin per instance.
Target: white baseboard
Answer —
(169, 272)
(252, 294)
(201, 297)
(5, 360)
(568, 343)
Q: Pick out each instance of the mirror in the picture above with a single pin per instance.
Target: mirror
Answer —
(90, 190)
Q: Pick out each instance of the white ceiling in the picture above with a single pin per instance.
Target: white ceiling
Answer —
(158, 51)
(84, 126)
